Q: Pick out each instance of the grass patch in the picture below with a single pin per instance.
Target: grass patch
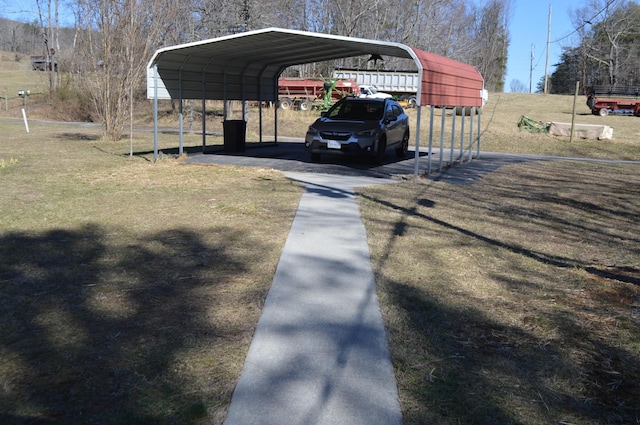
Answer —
(8, 162)
(16, 74)
(500, 133)
(515, 299)
(129, 290)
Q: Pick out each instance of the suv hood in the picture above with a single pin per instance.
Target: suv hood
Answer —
(323, 124)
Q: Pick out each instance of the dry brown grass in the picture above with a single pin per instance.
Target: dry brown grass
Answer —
(129, 290)
(514, 300)
(500, 134)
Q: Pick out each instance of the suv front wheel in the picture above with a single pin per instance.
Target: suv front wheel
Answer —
(401, 152)
(382, 147)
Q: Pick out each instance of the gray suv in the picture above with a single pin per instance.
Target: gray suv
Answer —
(361, 127)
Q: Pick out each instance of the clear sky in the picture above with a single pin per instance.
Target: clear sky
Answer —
(529, 26)
(27, 11)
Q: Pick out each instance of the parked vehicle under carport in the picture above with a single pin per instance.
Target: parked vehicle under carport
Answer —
(360, 127)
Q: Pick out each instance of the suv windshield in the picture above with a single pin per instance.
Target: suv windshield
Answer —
(357, 110)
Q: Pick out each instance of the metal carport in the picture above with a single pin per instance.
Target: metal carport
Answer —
(246, 66)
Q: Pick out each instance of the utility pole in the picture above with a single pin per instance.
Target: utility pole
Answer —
(533, 47)
(546, 65)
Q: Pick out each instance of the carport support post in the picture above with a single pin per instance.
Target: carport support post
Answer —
(453, 134)
(471, 112)
(444, 116)
(181, 140)
(155, 113)
(204, 115)
(260, 121)
(275, 122)
(430, 151)
(416, 167)
(479, 119)
(462, 115)
(204, 124)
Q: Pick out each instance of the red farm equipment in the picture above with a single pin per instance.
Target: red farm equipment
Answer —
(305, 94)
(603, 100)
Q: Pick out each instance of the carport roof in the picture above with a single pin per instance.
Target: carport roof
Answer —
(246, 66)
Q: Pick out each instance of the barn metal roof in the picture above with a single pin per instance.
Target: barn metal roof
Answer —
(246, 66)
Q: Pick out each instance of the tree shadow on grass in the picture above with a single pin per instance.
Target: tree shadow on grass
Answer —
(480, 371)
(551, 345)
(95, 332)
(79, 137)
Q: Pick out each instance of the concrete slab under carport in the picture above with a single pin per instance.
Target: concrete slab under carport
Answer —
(289, 155)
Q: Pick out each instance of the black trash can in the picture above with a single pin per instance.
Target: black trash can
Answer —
(234, 135)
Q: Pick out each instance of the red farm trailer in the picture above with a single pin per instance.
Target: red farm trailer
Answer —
(603, 100)
(305, 94)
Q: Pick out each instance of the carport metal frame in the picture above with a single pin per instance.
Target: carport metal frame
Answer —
(247, 66)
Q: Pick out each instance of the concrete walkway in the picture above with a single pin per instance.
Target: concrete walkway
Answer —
(319, 354)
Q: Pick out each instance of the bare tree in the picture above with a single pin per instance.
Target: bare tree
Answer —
(492, 38)
(50, 28)
(317, 16)
(119, 37)
(518, 86)
(352, 18)
(609, 39)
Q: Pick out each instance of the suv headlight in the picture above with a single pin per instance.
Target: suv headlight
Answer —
(367, 133)
(312, 130)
